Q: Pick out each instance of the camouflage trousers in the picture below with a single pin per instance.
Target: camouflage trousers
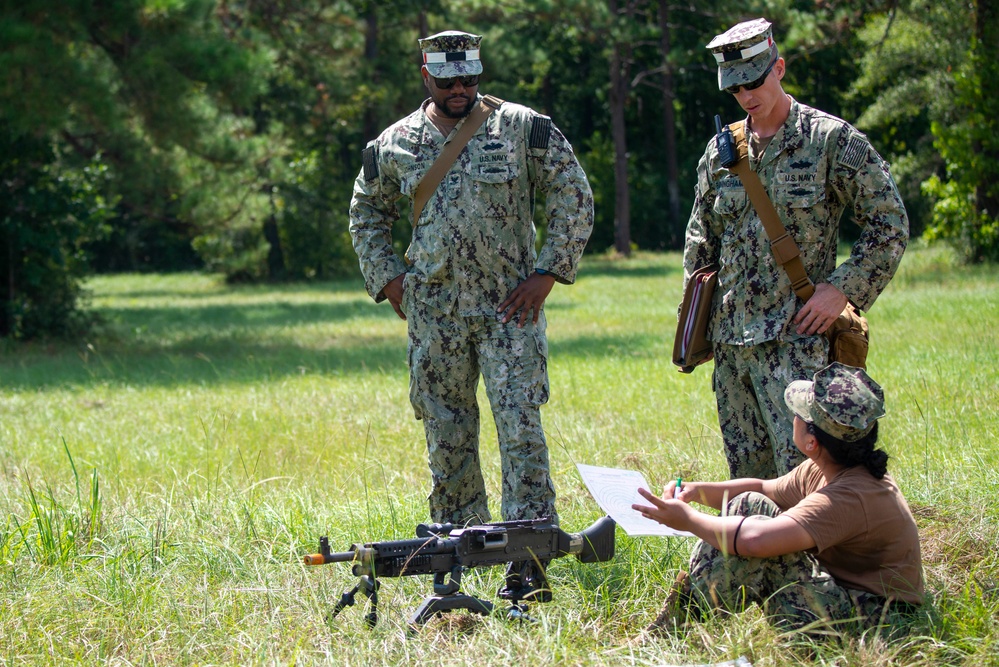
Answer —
(447, 354)
(795, 590)
(749, 383)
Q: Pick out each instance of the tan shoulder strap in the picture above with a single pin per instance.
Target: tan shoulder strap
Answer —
(784, 248)
(739, 139)
(428, 184)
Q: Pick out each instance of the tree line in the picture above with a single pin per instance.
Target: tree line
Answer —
(225, 135)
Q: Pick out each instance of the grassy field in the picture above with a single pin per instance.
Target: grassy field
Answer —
(160, 482)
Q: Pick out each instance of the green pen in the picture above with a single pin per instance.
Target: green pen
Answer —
(676, 491)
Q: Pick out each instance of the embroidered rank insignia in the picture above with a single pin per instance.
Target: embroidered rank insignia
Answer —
(370, 163)
(855, 152)
(541, 130)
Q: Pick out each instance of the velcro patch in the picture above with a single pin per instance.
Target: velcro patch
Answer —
(370, 163)
(855, 152)
(541, 130)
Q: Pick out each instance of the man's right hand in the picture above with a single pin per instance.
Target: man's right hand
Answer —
(393, 292)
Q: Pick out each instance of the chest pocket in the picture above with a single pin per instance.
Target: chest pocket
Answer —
(806, 205)
(495, 189)
(731, 200)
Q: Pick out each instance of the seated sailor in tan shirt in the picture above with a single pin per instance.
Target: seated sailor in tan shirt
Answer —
(833, 540)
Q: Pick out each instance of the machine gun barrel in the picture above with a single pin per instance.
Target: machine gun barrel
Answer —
(326, 556)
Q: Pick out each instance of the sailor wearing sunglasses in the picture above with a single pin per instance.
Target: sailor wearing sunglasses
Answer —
(471, 285)
(814, 167)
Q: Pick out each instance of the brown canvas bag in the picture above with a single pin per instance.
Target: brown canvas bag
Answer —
(691, 346)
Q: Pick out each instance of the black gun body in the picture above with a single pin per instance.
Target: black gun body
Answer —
(484, 545)
(442, 550)
(476, 546)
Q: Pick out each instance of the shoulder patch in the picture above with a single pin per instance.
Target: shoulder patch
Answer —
(541, 130)
(369, 163)
(855, 153)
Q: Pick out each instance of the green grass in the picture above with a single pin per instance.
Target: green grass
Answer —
(160, 482)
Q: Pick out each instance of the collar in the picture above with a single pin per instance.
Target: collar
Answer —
(789, 137)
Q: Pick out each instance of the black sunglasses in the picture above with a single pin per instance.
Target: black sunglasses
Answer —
(466, 81)
(753, 85)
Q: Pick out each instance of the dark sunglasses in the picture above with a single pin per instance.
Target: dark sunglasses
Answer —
(753, 85)
(448, 83)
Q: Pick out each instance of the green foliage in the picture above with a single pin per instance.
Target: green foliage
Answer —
(153, 92)
(904, 86)
(48, 214)
(229, 134)
(927, 93)
(966, 211)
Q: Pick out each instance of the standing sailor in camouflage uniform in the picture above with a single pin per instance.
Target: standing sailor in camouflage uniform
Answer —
(832, 541)
(472, 287)
(813, 166)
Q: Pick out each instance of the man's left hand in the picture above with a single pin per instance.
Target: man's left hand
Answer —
(821, 310)
(529, 296)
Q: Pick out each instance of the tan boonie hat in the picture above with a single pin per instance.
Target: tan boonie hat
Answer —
(743, 52)
(451, 53)
(841, 400)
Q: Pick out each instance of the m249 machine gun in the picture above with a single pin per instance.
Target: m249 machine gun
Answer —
(445, 551)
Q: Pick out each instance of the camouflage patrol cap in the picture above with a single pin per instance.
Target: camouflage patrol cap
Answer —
(451, 53)
(743, 52)
(841, 400)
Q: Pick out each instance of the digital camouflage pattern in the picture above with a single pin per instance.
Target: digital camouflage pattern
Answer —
(730, 45)
(473, 244)
(795, 590)
(457, 44)
(816, 166)
(756, 425)
(446, 356)
(841, 400)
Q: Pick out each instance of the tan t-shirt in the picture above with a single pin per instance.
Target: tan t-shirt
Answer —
(864, 533)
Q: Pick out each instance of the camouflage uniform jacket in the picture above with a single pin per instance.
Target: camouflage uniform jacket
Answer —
(475, 241)
(813, 168)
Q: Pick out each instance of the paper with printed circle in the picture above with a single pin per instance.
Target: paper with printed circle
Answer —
(615, 490)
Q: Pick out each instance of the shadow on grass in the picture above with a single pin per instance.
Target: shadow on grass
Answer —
(603, 345)
(172, 321)
(240, 342)
(219, 288)
(237, 360)
(626, 269)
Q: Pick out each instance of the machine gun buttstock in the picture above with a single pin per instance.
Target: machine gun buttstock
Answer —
(593, 545)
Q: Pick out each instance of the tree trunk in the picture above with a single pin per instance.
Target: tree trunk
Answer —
(987, 150)
(370, 55)
(618, 96)
(675, 226)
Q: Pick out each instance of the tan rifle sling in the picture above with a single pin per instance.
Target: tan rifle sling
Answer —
(784, 248)
(428, 184)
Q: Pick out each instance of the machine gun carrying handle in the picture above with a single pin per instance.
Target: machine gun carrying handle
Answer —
(433, 529)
